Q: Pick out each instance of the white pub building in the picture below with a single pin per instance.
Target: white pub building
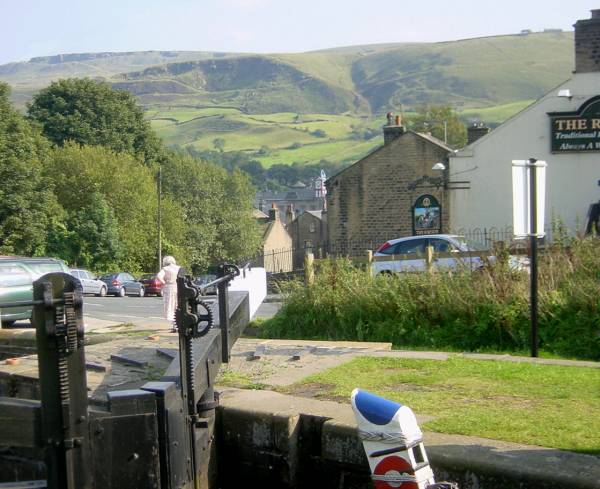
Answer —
(562, 128)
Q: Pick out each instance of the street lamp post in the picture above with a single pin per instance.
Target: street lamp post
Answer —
(159, 215)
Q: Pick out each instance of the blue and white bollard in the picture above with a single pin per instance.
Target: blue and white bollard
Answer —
(392, 441)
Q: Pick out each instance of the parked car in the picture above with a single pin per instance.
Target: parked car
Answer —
(89, 282)
(151, 284)
(202, 280)
(441, 243)
(16, 283)
(121, 284)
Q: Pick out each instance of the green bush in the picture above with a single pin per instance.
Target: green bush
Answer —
(473, 311)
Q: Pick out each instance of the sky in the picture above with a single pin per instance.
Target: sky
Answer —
(30, 28)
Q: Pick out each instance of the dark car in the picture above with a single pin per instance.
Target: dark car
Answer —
(121, 284)
(151, 284)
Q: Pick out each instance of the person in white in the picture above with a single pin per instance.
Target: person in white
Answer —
(168, 277)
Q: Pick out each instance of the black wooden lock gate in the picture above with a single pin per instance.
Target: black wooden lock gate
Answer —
(159, 436)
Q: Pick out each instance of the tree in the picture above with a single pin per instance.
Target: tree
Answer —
(439, 120)
(283, 174)
(263, 151)
(217, 209)
(92, 113)
(90, 236)
(28, 210)
(219, 144)
(256, 171)
(106, 193)
(319, 133)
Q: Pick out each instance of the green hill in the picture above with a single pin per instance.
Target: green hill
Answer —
(321, 104)
(253, 84)
(471, 73)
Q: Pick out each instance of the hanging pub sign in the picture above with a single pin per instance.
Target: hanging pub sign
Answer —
(427, 215)
(577, 131)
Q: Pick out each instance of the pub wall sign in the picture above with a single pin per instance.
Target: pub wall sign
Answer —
(577, 131)
(427, 215)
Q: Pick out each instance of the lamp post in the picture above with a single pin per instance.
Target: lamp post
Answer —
(445, 122)
(159, 215)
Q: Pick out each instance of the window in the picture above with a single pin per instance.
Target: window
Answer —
(12, 275)
(411, 246)
(40, 269)
(441, 245)
(311, 227)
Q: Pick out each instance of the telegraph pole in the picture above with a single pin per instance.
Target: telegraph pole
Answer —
(442, 121)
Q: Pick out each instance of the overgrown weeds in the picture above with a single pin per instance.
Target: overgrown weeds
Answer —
(485, 310)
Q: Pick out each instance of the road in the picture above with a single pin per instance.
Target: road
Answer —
(146, 310)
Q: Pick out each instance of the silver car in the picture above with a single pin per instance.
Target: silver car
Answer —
(416, 245)
(89, 282)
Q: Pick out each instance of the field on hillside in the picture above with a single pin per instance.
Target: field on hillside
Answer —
(289, 137)
(283, 137)
(494, 116)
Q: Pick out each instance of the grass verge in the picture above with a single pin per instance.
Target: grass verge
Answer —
(544, 405)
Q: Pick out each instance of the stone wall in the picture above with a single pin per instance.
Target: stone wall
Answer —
(269, 440)
(372, 200)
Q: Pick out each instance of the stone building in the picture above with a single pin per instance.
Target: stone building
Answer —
(390, 193)
(309, 233)
(561, 128)
(276, 242)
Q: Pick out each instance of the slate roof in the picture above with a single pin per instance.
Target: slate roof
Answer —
(295, 194)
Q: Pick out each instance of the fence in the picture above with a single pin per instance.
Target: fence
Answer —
(292, 259)
(420, 262)
(278, 260)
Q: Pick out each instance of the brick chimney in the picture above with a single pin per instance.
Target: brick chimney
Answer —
(476, 131)
(587, 44)
(393, 129)
(273, 212)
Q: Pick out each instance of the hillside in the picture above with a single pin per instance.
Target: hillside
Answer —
(470, 73)
(28, 77)
(253, 84)
(308, 106)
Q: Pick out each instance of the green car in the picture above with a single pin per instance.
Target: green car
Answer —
(16, 283)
